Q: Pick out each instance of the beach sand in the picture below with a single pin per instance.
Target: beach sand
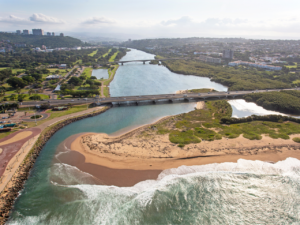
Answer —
(133, 157)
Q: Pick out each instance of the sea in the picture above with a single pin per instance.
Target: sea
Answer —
(246, 192)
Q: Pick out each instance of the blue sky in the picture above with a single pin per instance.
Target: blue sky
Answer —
(149, 19)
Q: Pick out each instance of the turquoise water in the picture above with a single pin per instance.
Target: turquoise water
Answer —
(100, 73)
(247, 192)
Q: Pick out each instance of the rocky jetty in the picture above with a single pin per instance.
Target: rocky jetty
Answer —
(11, 192)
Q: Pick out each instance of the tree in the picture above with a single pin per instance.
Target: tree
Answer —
(18, 90)
(12, 97)
(56, 71)
(93, 78)
(16, 82)
(31, 91)
(21, 97)
(75, 81)
(28, 79)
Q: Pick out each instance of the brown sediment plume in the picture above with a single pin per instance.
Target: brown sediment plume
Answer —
(11, 191)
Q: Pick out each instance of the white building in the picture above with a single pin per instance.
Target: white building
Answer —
(256, 65)
(51, 77)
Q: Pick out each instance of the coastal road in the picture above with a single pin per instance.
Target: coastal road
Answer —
(153, 98)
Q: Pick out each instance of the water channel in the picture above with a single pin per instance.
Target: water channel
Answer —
(78, 200)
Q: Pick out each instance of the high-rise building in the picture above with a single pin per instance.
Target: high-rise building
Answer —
(228, 54)
(37, 32)
(48, 33)
(18, 32)
(26, 32)
(53, 34)
(61, 34)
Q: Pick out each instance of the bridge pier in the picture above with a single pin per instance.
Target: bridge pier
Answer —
(122, 64)
(137, 103)
(154, 101)
(144, 62)
(171, 100)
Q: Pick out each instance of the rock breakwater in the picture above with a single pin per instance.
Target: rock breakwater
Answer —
(11, 191)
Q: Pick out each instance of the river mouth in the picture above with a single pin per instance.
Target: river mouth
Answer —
(64, 188)
(102, 175)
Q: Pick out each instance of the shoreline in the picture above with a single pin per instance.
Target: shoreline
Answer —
(132, 152)
(16, 184)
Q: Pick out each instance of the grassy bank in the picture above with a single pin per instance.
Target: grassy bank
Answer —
(234, 78)
(283, 101)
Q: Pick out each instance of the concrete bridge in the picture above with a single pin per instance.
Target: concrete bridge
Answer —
(147, 60)
(154, 99)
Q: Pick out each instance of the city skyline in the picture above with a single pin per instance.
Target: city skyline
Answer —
(135, 19)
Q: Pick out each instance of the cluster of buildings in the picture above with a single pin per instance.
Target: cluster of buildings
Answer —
(256, 65)
(37, 32)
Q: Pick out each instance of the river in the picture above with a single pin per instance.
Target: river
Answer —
(227, 193)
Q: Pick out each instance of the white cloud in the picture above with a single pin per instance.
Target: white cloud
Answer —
(13, 19)
(41, 18)
(98, 20)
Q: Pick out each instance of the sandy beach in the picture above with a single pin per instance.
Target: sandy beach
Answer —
(129, 158)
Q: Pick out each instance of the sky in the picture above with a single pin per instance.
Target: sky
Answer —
(138, 19)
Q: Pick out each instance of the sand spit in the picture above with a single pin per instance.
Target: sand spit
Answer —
(139, 152)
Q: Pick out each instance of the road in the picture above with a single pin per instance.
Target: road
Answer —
(140, 98)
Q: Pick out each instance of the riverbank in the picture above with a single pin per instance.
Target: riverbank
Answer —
(15, 185)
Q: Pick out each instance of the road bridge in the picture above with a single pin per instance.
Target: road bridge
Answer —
(154, 99)
(147, 60)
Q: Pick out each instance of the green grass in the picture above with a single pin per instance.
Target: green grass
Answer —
(291, 66)
(106, 91)
(93, 53)
(3, 68)
(204, 124)
(43, 96)
(296, 139)
(13, 91)
(62, 72)
(79, 61)
(112, 58)
(88, 72)
(55, 114)
(104, 55)
(297, 82)
(111, 75)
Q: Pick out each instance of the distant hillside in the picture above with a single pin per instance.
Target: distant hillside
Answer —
(53, 42)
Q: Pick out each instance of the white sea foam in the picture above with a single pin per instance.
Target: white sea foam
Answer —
(67, 174)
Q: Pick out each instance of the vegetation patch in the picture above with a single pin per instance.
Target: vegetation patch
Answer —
(296, 139)
(35, 117)
(283, 101)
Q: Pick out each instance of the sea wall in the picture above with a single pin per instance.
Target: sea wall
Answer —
(11, 191)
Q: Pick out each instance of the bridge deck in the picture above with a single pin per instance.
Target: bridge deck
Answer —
(153, 98)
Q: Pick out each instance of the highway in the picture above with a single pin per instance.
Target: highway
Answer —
(152, 98)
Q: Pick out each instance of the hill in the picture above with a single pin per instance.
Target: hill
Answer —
(51, 41)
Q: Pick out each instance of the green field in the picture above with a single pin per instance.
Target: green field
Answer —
(3, 68)
(43, 96)
(62, 72)
(88, 72)
(106, 91)
(107, 53)
(112, 58)
(55, 114)
(111, 75)
(93, 53)
(290, 66)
